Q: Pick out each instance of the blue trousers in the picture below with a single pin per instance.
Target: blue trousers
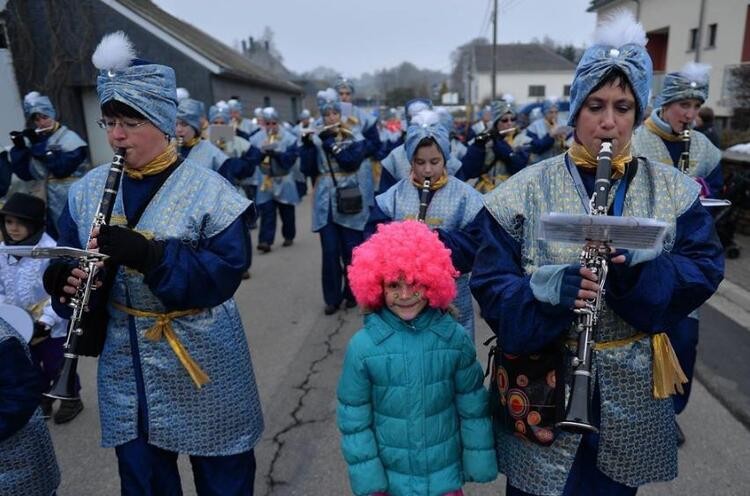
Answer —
(684, 338)
(337, 243)
(267, 212)
(585, 479)
(146, 470)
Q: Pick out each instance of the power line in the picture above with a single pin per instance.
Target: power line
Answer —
(485, 19)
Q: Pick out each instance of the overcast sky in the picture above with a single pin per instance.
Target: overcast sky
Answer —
(356, 36)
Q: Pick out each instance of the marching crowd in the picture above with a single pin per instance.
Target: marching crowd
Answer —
(415, 222)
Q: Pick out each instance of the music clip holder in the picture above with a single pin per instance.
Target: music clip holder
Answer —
(629, 233)
(64, 252)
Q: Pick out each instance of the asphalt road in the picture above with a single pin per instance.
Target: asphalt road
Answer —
(297, 354)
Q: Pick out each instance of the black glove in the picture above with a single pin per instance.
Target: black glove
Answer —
(482, 138)
(307, 139)
(56, 278)
(329, 145)
(33, 136)
(327, 134)
(17, 138)
(41, 330)
(130, 248)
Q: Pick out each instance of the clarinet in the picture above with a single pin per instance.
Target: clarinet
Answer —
(594, 256)
(423, 203)
(684, 163)
(181, 147)
(64, 386)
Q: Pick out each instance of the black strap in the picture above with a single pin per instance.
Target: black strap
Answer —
(330, 168)
(151, 194)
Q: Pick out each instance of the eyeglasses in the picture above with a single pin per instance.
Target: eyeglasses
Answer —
(111, 124)
(508, 119)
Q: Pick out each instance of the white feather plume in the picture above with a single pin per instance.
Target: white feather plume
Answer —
(328, 95)
(696, 71)
(417, 107)
(509, 98)
(221, 104)
(114, 53)
(620, 29)
(31, 97)
(182, 93)
(426, 118)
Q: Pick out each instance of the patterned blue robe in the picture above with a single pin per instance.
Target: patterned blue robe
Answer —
(637, 441)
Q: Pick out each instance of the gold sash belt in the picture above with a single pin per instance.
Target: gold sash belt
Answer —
(668, 374)
(163, 327)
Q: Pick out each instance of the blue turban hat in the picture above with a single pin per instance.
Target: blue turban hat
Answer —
(343, 82)
(689, 82)
(427, 124)
(328, 99)
(270, 114)
(619, 43)
(221, 109)
(234, 105)
(446, 118)
(500, 108)
(34, 103)
(146, 87)
(191, 111)
(305, 114)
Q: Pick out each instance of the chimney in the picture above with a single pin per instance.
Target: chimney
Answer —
(244, 47)
(267, 45)
(251, 43)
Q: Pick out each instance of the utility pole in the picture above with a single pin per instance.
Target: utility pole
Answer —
(494, 52)
(701, 18)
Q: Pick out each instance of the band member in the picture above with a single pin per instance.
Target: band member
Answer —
(367, 123)
(273, 152)
(482, 124)
(667, 137)
(446, 202)
(396, 165)
(243, 127)
(304, 123)
(22, 223)
(189, 141)
(48, 152)
(507, 152)
(333, 159)
(548, 136)
(175, 374)
(527, 288)
(28, 466)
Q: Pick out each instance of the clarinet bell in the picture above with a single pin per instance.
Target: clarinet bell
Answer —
(578, 415)
(64, 387)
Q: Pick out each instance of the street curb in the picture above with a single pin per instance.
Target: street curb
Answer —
(724, 392)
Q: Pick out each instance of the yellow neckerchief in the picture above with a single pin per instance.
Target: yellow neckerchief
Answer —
(192, 142)
(163, 328)
(651, 126)
(509, 138)
(582, 158)
(435, 185)
(157, 165)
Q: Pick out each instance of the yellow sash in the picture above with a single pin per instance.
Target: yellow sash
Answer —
(157, 165)
(163, 327)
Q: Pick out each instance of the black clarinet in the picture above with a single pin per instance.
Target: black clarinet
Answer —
(424, 194)
(594, 256)
(64, 386)
(684, 163)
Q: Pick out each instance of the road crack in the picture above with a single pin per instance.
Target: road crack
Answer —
(303, 389)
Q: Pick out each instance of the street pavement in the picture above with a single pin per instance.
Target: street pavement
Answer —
(297, 354)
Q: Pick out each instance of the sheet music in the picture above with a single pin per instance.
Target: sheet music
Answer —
(631, 233)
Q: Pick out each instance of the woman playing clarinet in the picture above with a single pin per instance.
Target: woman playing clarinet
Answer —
(528, 288)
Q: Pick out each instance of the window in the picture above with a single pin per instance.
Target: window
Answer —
(266, 101)
(711, 35)
(566, 90)
(295, 111)
(536, 90)
(693, 40)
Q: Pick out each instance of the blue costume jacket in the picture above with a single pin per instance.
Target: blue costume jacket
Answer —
(275, 173)
(542, 145)
(142, 384)
(649, 297)
(207, 154)
(61, 159)
(27, 459)
(317, 160)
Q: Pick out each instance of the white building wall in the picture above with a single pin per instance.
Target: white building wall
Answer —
(680, 16)
(517, 84)
(11, 111)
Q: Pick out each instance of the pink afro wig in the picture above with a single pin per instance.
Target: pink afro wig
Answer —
(402, 249)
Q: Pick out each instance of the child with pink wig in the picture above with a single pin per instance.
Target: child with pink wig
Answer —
(412, 408)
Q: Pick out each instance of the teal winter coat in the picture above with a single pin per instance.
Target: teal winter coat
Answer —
(412, 407)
